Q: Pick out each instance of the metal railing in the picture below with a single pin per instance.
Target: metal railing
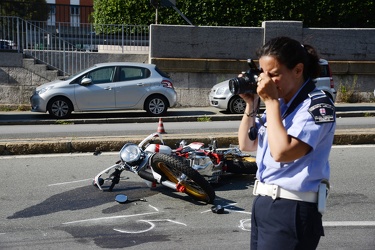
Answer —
(66, 47)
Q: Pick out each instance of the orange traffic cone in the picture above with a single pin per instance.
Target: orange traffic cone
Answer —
(161, 127)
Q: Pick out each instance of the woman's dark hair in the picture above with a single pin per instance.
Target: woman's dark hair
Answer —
(291, 52)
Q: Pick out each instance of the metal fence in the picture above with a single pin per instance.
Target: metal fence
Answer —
(68, 47)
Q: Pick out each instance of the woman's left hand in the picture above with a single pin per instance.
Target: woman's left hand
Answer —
(267, 88)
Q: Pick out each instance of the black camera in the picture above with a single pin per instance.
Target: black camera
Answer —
(248, 82)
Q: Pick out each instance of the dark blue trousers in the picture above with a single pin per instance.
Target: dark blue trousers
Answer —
(285, 224)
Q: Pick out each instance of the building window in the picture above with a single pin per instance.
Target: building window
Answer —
(52, 15)
(74, 16)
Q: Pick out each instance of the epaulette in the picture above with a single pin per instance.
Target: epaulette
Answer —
(321, 108)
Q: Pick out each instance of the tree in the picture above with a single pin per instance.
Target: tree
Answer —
(123, 12)
(319, 13)
(36, 10)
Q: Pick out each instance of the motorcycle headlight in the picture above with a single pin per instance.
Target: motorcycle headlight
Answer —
(130, 153)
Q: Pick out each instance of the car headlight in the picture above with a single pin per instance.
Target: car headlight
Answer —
(220, 91)
(130, 153)
(43, 90)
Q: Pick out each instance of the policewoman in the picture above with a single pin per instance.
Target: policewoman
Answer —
(293, 138)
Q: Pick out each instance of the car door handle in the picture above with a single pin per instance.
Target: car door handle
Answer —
(108, 88)
(139, 84)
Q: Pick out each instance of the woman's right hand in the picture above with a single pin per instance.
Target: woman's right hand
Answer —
(248, 97)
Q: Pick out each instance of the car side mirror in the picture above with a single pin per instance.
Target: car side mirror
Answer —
(86, 81)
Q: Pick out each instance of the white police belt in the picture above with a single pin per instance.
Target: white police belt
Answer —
(275, 192)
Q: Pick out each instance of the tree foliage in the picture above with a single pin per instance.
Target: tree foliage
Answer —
(36, 10)
(319, 13)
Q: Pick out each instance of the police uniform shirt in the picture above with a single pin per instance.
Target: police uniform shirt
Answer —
(309, 123)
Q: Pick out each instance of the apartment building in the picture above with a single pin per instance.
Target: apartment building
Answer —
(71, 12)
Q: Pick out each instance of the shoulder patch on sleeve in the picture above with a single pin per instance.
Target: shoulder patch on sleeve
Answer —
(321, 108)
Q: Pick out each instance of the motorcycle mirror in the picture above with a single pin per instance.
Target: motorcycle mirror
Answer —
(121, 198)
(217, 209)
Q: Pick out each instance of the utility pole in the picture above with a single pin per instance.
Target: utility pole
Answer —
(155, 3)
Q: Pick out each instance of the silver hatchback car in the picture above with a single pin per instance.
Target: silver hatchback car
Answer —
(107, 86)
(220, 96)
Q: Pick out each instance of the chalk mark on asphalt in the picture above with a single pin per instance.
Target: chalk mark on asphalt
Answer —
(152, 226)
(107, 218)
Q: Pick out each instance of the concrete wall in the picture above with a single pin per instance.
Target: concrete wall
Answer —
(198, 57)
(168, 41)
(240, 43)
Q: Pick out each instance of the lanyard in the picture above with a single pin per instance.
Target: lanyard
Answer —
(301, 96)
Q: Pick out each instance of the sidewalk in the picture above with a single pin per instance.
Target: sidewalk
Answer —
(45, 146)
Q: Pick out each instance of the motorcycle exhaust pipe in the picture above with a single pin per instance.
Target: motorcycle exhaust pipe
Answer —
(149, 177)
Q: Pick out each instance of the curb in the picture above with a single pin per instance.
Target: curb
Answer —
(193, 118)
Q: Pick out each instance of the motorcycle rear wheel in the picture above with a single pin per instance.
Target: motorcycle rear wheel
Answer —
(171, 168)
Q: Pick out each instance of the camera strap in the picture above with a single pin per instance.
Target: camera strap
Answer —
(301, 96)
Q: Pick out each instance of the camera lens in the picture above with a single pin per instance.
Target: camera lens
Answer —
(234, 86)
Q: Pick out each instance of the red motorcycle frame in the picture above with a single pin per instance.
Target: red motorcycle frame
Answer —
(213, 162)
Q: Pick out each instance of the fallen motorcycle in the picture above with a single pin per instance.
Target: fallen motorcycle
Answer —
(212, 162)
(155, 163)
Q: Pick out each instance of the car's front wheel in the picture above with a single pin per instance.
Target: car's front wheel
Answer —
(236, 105)
(156, 105)
(60, 107)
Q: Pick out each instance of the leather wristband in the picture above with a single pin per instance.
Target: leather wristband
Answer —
(252, 114)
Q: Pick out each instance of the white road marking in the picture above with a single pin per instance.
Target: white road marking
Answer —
(70, 182)
(349, 223)
(245, 224)
(354, 146)
(54, 155)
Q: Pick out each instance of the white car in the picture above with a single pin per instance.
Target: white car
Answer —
(107, 86)
(220, 96)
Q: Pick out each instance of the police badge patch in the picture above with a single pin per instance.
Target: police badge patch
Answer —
(321, 108)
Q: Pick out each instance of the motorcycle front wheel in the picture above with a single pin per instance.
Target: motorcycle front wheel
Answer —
(174, 170)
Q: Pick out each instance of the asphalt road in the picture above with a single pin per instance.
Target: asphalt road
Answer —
(142, 129)
(48, 203)
(174, 114)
